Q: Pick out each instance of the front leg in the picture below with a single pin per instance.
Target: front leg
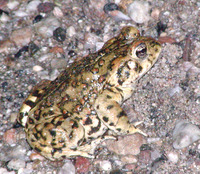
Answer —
(113, 116)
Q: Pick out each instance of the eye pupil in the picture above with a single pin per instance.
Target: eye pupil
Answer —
(141, 51)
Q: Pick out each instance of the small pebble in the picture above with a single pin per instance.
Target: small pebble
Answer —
(23, 50)
(155, 13)
(58, 63)
(16, 164)
(188, 66)
(152, 140)
(3, 3)
(37, 68)
(71, 31)
(127, 145)
(105, 165)
(33, 48)
(45, 7)
(36, 156)
(129, 159)
(12, 5)
(173, 157)
(58, 12)
(155, 154)
(4, 171)
(67, 168)
(5, 46)
(90, 40)
(20, 13)
(4, 18)
(44, 57)
(185, 134)
(166, 39)
(72, 53)
(139, 11)
(54, 74)
(32, 5)
(47, 26)
(38, 18)
(144, 156)
(22, 36)
(56, 50)
(176, 90)
(113, 11)
(59, 34)
(10, 136)
(82, 165)
(129, 167)
(13, 117)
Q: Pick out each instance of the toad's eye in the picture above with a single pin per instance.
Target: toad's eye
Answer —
(141, 51)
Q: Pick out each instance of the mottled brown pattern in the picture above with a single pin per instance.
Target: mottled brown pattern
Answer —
(69, 116)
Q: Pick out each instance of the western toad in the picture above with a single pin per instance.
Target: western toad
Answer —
(70, 115)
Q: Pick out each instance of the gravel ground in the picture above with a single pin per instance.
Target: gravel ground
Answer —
(38, 39)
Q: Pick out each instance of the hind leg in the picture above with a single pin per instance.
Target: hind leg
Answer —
(56, 137)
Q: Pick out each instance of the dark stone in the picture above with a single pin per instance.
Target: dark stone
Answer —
(38, 18)
(45, 7)
(161, 27)
(59, 34)
(110, 7)
(33, 48)
(72, 53)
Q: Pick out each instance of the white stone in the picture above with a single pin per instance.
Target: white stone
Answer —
(57, 12)
(68, 168)
(173, 91)
(99, 45)
(12, 4)
(16, 164)
(185, 134)
(139, 11)
(4, 18)
(152, 140)
(37, 68)
(71, 31)
(20, 13)
(173, 157)
(105, 165)
(32, 6)
(4, 171)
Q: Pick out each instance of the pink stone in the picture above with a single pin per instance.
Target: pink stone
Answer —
(82, 165)
(10, 136)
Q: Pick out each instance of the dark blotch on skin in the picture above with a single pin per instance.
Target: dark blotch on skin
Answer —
(121, 114)
(120, 82)
(95, 129)
(37, 149)
(54, 150)
(71, 135)
(119, 129)
(111, 124)
(43, 145)
(75, 125)
(105, 119)
(30, 103)
(108, 97)
(52, 132)
(88, 121)
(31, 121)
(110, 107)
